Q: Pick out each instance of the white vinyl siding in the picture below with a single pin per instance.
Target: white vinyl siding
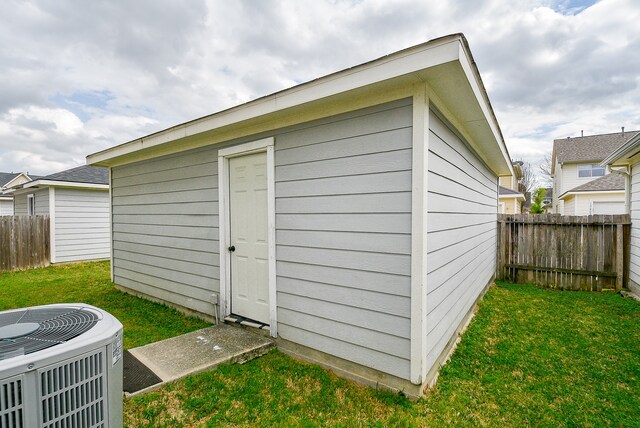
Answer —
(343, 235)
(583, 203)
(461, 233)
(42, 201)
(41, 198)
(20, 204)
(634, 265)
(6, 207)
(343, 223)
(81, 224)
(165, 228)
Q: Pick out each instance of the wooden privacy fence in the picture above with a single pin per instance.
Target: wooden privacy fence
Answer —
(24, 242)
(566, 252)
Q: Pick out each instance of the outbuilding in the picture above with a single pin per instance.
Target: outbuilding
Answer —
(353, 216)
(77, 203)
(628, 156)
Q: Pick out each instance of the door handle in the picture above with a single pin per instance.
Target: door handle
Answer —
(232, 248)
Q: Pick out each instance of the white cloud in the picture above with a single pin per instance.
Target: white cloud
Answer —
(551, 70)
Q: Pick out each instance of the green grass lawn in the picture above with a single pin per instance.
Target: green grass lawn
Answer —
(531, 357)
(144, 322)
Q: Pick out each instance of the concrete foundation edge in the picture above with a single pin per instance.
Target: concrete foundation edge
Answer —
(350, 370)
(634, 287)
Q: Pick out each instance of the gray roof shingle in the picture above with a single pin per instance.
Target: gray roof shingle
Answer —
(592, 148)
(613, 181)
(81, 174)
(503, 191)
(6, 177)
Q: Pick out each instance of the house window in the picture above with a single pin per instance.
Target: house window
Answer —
(31, 205)
(590, 170)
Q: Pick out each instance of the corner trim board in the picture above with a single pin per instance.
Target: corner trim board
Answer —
(52, 225)
(419, 175)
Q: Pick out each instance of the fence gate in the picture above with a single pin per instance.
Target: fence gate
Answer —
(587, 253)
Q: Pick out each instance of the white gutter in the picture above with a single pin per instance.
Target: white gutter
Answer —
(592, 192)
(514, 195)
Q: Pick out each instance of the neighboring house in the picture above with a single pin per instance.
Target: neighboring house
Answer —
(575, 162)
(628, 156)
(604, 195)
(510, 201)
(7, 180)
(547, 202)
(77, 202)
(353, 216)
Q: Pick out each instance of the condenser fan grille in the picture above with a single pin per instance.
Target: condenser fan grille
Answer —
(51, 326)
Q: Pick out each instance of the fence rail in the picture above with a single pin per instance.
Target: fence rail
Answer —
(24, 242)
(565, 252)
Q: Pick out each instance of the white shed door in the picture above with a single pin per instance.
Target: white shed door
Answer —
(608, 207)
(248, 218)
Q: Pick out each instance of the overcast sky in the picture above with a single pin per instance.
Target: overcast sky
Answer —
(79, 76)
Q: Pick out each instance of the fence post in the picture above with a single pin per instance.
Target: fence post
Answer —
(619, 256)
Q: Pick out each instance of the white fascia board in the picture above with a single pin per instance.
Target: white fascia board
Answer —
(598, 192)
(623, 154)
(73, 184)
(22, 174)
(408, 62)
(503, 161)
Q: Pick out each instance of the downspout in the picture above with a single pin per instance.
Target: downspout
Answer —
(627, 190)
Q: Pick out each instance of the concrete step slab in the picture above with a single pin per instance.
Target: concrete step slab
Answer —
(200, 350)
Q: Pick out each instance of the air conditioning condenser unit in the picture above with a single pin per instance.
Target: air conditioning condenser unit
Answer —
(60, 367)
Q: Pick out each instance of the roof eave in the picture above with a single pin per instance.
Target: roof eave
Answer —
(584, 192)
(401, 69)
(624, 153)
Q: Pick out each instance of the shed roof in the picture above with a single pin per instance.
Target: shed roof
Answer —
(591, 148)
(506, 191)
(80, 174)
(446, 64)
(84, 176)
(609, 182)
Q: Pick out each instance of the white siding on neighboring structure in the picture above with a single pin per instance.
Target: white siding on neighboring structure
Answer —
(165, 228)
(634, 262)
(20, 204)
(81, 225)
(343, 225)
(41, 202)
(461, 235)
(569, 206)
(583, 204)
(6, 207)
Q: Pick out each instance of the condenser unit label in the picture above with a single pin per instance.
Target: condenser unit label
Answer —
(117, 349)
